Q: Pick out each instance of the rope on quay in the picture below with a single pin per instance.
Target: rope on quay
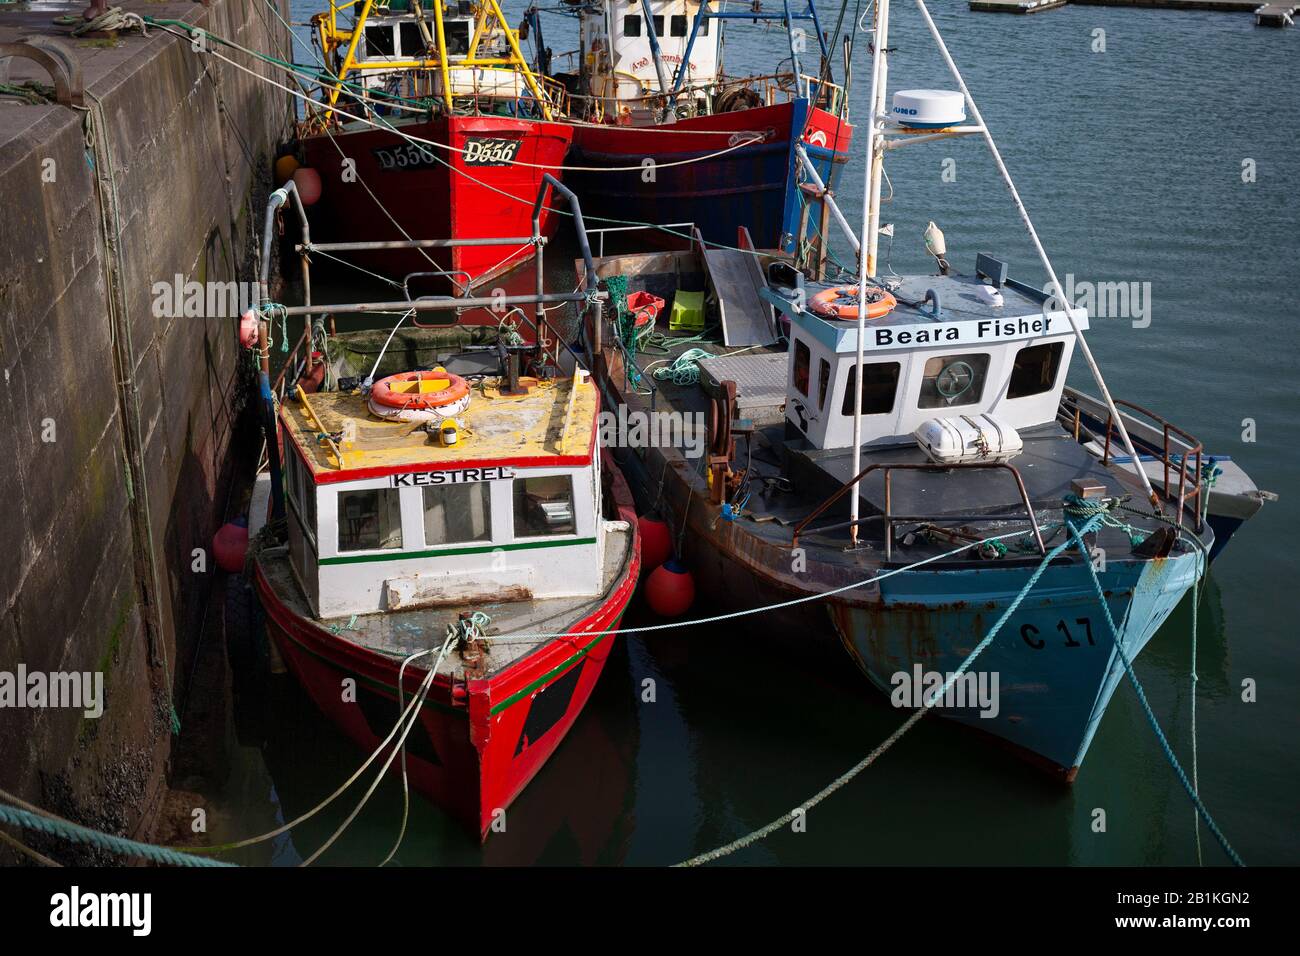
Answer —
(75, 833)
(907, 725)
(112, 19)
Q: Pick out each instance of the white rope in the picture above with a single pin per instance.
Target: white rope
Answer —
(1059, 290)
(821, 595)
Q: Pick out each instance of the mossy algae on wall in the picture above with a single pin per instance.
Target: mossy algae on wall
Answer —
(192, 142)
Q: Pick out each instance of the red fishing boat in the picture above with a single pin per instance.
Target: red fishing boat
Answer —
(667, 135)
(430, 125)
(469, 549)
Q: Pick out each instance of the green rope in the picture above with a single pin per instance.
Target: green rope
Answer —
(1201, 810)
(30, 92)
(927, 705)
(105, 841)
(683, 370)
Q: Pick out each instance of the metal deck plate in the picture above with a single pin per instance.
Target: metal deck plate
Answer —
(760, 383)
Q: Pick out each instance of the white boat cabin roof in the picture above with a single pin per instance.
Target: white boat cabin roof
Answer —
(953, 345)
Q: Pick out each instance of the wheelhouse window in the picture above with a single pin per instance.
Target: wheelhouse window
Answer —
(457, 35)
(543, 506)
(411, 39)
(823, 380)
(952, 380)
(454, 514)
(632, 25)
(659, 24)
(678, 25)
(379, 40)
(301, 491)
(1035, 368)
(879, 386)
(370, 520)
(802, 358)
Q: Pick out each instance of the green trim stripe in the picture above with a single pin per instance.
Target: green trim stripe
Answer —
(452, 552)
(555, 671)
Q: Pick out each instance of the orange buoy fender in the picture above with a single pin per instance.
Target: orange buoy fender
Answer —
(419, 396)
(656, 542)
(230, 545)
(828, 303)
(670, 591)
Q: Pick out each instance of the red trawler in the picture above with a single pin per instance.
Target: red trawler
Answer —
(665, 135)
(471, 546)
(430, 126)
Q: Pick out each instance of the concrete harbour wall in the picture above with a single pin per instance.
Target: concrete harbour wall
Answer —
(191, 142)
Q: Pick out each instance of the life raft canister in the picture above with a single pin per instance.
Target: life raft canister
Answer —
(419, 396)
(879, 303)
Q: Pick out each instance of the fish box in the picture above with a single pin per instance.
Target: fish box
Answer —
(962, 439)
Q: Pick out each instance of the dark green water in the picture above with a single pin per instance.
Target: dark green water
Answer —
(1130, 161)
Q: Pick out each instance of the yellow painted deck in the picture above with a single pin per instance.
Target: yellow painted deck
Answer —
(553, 420)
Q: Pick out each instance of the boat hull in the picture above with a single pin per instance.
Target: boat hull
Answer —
(1055, 662)
(1051, 698)
(482, 184)
(680, 172)
(477, 744)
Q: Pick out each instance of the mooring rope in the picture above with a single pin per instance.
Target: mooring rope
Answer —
(78, 834)
(927, 706)
(1146, 707)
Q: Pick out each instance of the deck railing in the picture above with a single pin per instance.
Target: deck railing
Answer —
(890, 519)
(1172, 446)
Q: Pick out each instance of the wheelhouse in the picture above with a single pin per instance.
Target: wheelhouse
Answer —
(619, 44)
(953, 346)
(383, 516)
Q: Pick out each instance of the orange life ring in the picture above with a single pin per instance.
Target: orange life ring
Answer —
(879, 302)
(419, 391)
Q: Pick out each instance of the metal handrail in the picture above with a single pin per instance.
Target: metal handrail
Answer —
(1193, 448)
(890, 519)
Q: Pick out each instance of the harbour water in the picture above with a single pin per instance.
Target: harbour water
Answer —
(1167, 163)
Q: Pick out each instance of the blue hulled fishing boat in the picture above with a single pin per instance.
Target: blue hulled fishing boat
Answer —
(901, 458)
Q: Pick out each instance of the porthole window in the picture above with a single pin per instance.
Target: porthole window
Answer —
(953, 380)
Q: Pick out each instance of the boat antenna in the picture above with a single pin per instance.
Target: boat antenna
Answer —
(1058, 290)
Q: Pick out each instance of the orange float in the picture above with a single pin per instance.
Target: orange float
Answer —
(419, 396)
(879, 303)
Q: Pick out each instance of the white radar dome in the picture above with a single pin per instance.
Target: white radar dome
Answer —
(929, 109)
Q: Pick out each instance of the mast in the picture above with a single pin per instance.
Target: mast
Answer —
(867, 248)
(1059, 290)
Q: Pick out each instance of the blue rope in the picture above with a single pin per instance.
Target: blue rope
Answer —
(79, 834)
(1151, 717)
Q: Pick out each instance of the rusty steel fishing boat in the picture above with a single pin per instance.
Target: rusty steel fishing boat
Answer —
(899, 457)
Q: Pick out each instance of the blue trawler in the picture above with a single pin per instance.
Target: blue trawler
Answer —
(900, 457)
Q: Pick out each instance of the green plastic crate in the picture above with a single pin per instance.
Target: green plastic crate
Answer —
(688, 312)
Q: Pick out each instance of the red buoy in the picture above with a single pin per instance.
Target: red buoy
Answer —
(230, 545)
(308, 182)
(670, 592)
(656, 542)
(248, 329)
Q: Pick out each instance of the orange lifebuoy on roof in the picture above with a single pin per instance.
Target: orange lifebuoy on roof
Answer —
(827, 302)
(419, 395)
